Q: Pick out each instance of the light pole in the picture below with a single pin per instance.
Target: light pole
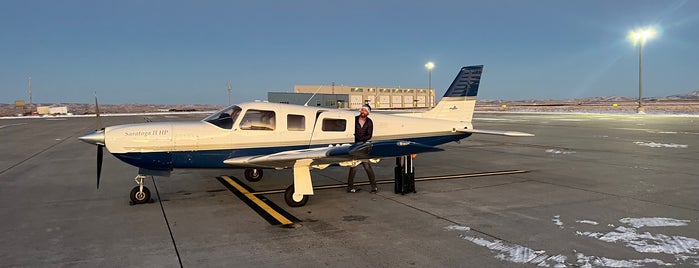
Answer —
(640, 36)
(429, 66)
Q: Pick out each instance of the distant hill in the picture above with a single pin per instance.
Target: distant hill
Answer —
(694, 95)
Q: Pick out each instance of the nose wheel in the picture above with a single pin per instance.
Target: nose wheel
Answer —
(140, 194)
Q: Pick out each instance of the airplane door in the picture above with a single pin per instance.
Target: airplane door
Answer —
(333, 128)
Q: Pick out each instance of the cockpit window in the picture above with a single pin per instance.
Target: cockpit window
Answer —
(258, 120)
(224, 118)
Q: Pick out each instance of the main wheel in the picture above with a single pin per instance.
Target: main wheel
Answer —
(289, 198)
(253, 174)
(138, 197)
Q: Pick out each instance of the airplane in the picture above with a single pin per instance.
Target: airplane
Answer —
(260, 135)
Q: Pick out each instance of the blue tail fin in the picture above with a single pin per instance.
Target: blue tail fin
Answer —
(466, 82)
(459, 101)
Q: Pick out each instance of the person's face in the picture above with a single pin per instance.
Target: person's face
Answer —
(363, 113)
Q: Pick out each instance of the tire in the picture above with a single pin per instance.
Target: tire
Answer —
(253, 174)
(288, 197)
(140, 198)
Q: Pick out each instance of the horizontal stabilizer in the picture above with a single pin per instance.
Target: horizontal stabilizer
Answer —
(497, 132)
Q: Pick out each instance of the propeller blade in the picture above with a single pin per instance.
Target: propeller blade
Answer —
(100, 149)
(97, 115)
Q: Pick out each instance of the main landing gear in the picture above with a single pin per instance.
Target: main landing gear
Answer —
(253, 174)
(298, 200)
(140, 194)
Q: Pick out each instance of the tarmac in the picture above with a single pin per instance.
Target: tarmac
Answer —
(589, 190)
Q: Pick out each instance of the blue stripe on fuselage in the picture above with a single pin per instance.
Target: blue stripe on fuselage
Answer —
(214, 158)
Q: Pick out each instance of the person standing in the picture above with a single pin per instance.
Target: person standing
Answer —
(363, 131)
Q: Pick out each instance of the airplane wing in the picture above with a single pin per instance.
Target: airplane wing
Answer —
(496, 132)
(333, 154)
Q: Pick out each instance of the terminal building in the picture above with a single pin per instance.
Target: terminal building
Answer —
(353, 97)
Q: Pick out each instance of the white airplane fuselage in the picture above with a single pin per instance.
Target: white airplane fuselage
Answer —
(206, 144)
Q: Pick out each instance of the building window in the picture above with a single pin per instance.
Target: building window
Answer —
(372, 90)
(397, 90)
(330, 124)
(295, 122)
(422, 91)
(407, 91)
(317, 102)
(356, 89)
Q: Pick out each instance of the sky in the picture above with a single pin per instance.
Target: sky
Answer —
(185, 52)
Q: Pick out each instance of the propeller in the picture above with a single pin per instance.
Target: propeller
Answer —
(100, 147)
(97, 138)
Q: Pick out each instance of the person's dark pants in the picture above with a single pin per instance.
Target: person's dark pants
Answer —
(369, 173)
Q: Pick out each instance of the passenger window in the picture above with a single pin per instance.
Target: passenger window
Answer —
(295, 122)
(334, 124)
(258, 120)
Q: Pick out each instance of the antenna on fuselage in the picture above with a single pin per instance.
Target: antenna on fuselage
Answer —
(229, 92)
(314, 94)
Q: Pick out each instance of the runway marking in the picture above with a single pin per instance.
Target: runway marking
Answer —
(277, 216)
(444, 177)
(10, 125)
(266, 208)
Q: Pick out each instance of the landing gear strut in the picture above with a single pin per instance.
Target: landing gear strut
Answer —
(140, 194)
(253, 174)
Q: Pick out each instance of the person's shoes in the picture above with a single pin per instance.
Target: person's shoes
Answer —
(374, 189)
(353, 190)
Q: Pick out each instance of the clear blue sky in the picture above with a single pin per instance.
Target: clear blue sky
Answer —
(169, 52)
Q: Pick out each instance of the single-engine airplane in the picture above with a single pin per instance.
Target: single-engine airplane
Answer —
(261, 135)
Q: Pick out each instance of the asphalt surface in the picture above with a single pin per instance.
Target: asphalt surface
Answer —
(600, 191)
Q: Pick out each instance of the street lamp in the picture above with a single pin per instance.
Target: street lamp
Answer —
(430, 66)
(639, 36)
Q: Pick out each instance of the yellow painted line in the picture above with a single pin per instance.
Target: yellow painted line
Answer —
(457, 176)
(257, 201)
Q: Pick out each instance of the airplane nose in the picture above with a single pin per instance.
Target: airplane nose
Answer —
(96, 138)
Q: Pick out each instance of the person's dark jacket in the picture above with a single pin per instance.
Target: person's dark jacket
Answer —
(363, 134)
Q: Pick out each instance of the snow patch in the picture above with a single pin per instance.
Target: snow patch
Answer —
(685, 250)
(587, 222)
(653, 222)
(557, 151)
(457, 228)
(518, 254)
(591, 261)
(660, 145)
(557, 221)
(652, 243)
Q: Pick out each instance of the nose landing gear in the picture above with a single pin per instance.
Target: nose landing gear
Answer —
(140, 194)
